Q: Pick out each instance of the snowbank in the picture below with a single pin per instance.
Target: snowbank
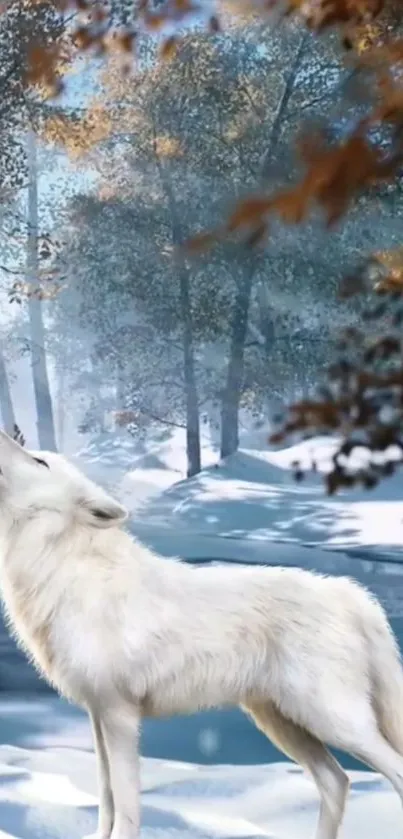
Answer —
(50, 791)
(137, 470)
(252, 500)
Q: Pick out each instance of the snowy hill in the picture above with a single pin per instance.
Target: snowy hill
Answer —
(252, 498)
(136, 470)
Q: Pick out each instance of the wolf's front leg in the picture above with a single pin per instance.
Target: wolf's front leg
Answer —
(105, 809)
(120, 728)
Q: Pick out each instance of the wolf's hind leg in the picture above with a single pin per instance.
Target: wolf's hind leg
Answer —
(351, 724)
(302, 747)
(370, 746)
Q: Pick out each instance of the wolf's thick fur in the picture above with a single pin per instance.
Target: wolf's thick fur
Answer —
(127, 634)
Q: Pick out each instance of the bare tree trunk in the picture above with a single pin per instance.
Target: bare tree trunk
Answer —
(232, 392)
(233, 387)
(6, 404)
(43, 401)
(61, 405)
(191, 395)
(193, 448)
(120, 386)
(284, 100)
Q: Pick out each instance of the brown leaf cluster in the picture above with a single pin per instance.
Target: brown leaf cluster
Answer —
(334, 174)
(21, 290)
(95, 32)
(346, 14)
(390, 264)
(362, 399)
(317, 14)
(45, 66)
(125, 417)
(77, 134)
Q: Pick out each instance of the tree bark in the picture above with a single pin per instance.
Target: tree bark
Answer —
(44, 409)
(120, 386)
(6, 404)
(193, 447)
(232, 392)
(61, 404)
(283, 104)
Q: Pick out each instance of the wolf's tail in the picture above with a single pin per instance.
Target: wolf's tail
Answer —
(386, 673)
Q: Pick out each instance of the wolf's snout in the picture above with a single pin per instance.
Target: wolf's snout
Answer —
(7, 443)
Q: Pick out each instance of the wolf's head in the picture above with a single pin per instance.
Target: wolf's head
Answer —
(32, 483)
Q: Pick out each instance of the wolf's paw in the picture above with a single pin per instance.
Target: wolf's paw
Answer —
(99, 834)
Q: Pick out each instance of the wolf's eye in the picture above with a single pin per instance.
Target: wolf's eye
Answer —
(101, 514)
(41, 462)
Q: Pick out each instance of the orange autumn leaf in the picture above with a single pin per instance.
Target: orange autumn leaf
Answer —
(334, 175)
(291, 206)
(201, 242)
(43, 66)
(168, 48)
(249, 212)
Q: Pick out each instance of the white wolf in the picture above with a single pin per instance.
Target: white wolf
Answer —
(127, 634)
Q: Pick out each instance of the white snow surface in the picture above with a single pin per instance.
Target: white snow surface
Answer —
(239, 508)
(48, 789)
(136, 470)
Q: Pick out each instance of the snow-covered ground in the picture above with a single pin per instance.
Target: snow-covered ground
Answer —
(137, 470)
(249, 508)
(248, 501)
(48, 790)
(236, 508)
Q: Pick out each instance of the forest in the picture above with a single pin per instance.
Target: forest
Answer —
(111, 174)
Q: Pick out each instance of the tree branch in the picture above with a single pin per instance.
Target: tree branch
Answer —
(283, 104)
(155, 417)
(327, 95)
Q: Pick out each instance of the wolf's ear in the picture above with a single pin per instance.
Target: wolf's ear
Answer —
(104, 512)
